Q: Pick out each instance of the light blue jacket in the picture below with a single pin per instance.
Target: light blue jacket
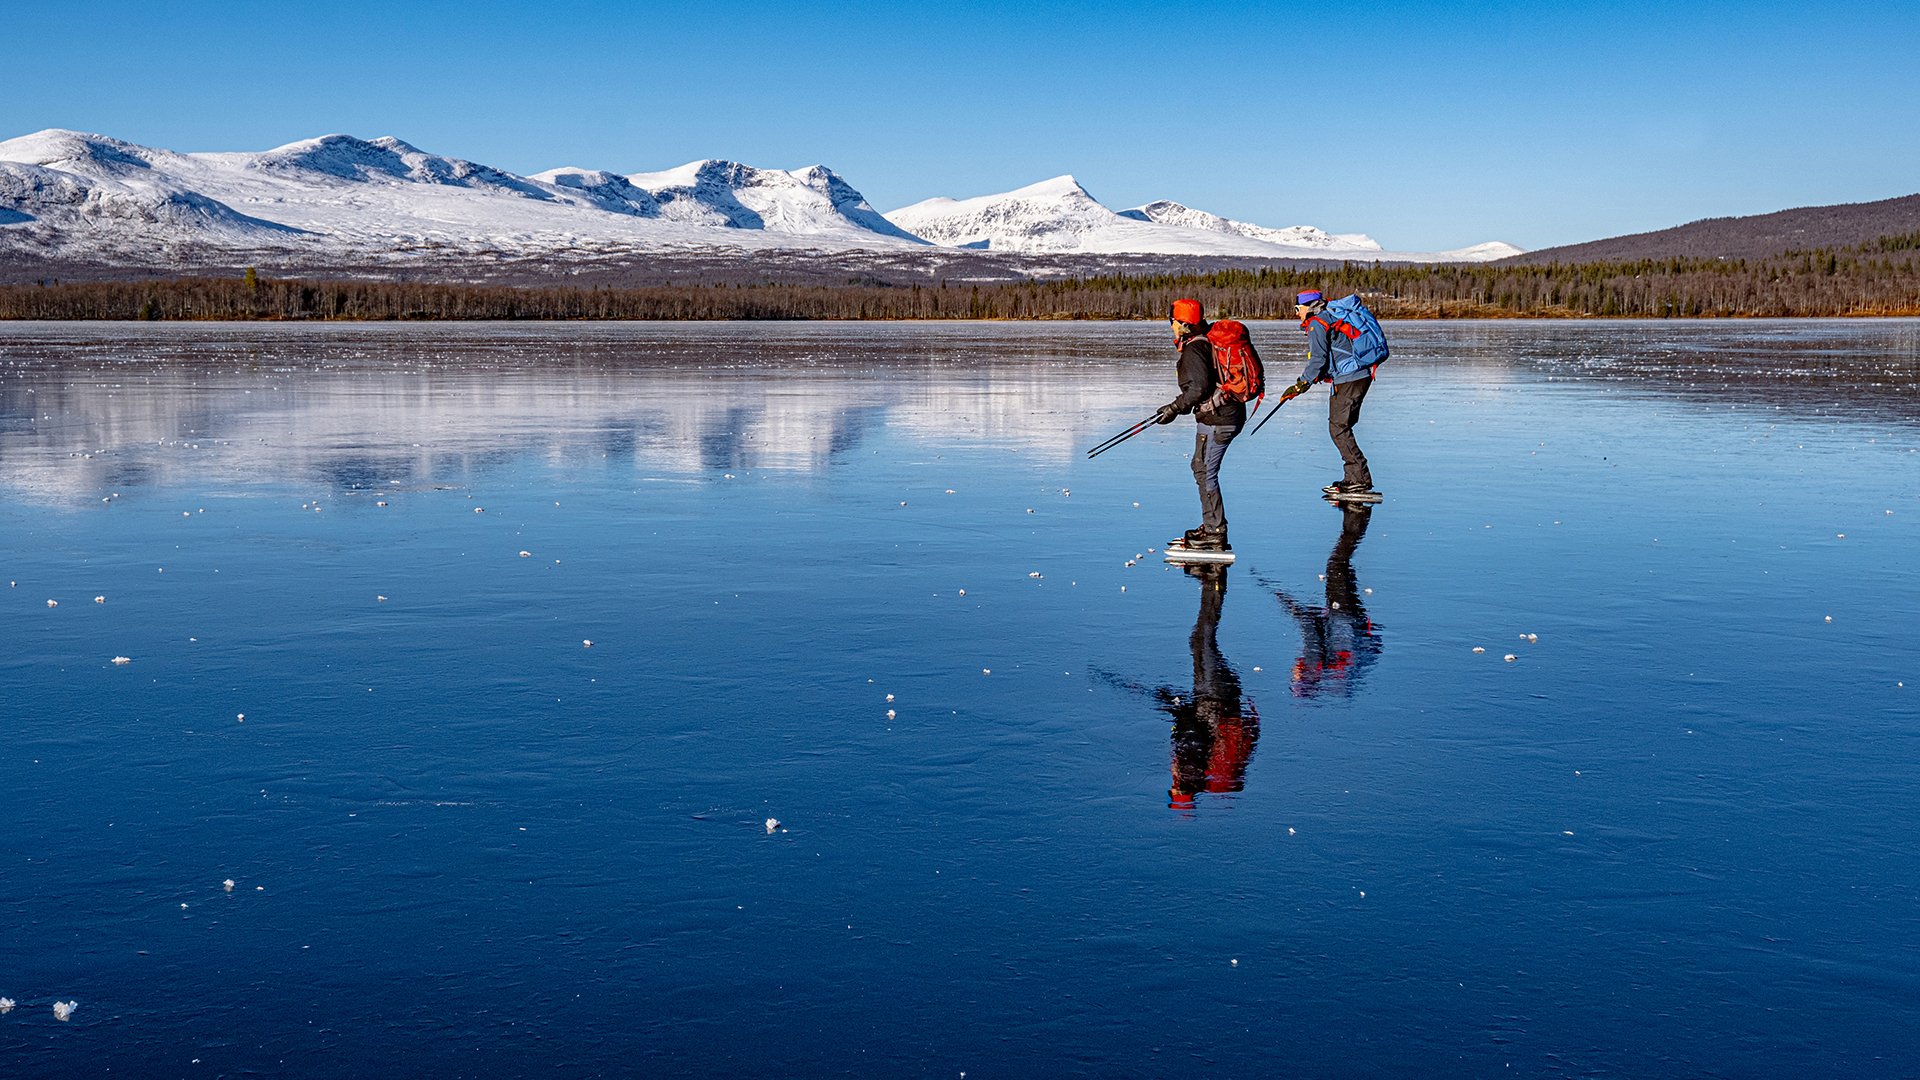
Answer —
(1325, 349)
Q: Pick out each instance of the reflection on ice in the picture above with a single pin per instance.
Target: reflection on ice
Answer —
(90, 411)
(1216, 726)
(78, 427)
(1338, 641)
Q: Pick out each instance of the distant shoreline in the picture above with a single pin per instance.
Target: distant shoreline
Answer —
(1877, 280)
(217, 320)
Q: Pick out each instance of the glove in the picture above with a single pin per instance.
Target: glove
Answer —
(1166, 415)
(1296, 390)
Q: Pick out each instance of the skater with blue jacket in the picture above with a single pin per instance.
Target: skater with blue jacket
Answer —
(1341, 350)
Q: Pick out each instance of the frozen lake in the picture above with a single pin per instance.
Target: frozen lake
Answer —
(860, 580)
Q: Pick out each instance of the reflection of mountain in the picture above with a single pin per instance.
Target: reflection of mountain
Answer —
(87, 409)
(80, 437)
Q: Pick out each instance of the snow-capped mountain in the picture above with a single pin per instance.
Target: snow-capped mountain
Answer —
(609, 191)
(1053, 215)
(91, 184)
(808, 201)
(1172, 213)
(343, 201)
(384, 160)
(340, 198)
(1059, 215)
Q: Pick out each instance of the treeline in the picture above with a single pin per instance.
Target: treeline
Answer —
(1880, 278)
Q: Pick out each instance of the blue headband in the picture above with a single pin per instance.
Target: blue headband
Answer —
(1310, 297)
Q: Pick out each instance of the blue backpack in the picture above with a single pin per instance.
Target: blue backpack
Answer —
(1350, 318)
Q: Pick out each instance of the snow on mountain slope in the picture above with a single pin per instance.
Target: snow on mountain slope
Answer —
(813, 201)
(386, 159)
(94, 157)
(609, 191)
(337, 197)
(758, 207)
(340, 200)
(1052, 216)
(1058, 215)
(59, 181)
(1487, 252)
(385, 196)
(1172, 213)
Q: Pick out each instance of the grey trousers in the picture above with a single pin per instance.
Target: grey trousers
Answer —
(1343, 411)
(1209, 448)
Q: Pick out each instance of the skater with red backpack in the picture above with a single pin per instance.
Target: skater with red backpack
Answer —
(1219, 373)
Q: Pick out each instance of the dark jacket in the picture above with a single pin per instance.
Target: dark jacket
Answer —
(1324, 347)
(1197, 384)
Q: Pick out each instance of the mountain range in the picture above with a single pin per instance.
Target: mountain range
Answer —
(79, 199)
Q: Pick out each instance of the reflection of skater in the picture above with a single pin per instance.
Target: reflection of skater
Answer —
(1338, 642)
(1213, 730)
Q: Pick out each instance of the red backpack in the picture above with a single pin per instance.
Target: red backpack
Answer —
(1236, 366)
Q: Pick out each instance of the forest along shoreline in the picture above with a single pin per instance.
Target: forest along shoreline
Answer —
(1877, 279)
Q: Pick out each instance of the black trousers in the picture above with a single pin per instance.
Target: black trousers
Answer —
(1343, 411)
(1209, 449)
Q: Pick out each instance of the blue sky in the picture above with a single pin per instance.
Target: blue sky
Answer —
(1429, 126)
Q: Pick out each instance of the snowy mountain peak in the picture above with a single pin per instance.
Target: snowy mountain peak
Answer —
(810, 201)
(1487, 252)
(340, 156)
(848, 203)
(606, 190)
(80, 152)
(1060, 215)
(398, 146)
(1172, 213)
(1053, 215)
(343, 200)
(333, 158)
(1060, 187)
(55, 177)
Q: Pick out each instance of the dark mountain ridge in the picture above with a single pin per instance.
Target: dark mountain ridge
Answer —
(1752, 237)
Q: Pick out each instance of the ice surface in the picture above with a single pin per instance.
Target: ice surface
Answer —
(461, 804)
